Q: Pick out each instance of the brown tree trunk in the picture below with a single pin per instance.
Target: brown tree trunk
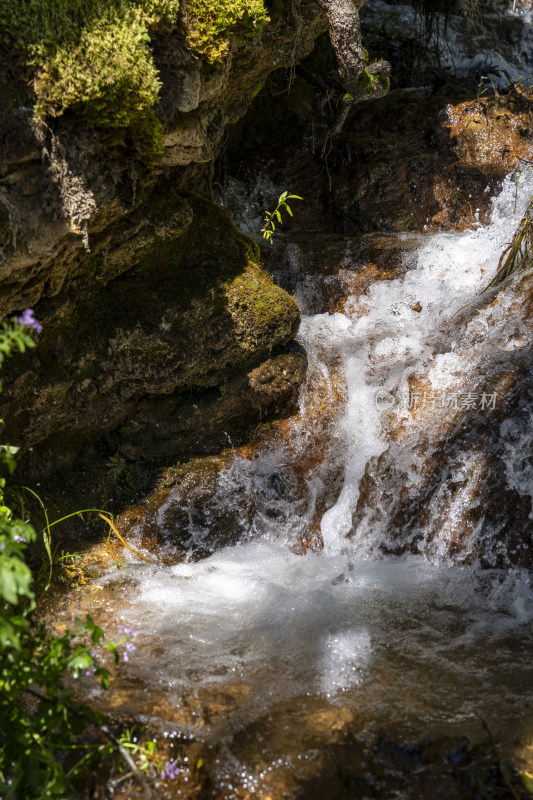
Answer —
(345, 34)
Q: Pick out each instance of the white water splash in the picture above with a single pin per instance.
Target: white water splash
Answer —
(387, 341)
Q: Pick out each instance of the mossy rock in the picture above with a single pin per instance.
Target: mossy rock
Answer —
(95, 59)
(178, 331)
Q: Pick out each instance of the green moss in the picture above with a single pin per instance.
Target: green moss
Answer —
(209, 22)
(367, 80)
(258, 85)
(94, 58)
(260, 309)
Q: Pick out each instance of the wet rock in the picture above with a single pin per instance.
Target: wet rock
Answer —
(448, 50)
(181, 343)
(414, 162)
(468, 496)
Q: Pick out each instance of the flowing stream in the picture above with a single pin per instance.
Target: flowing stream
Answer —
(414, 621)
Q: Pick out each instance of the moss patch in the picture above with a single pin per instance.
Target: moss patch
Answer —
(260, 309)
(208, 23)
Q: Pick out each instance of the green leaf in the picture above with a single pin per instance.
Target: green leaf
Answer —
(80, 627)
(527, 780)
(15, 577)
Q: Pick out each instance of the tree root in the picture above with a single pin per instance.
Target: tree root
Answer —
(361, 80)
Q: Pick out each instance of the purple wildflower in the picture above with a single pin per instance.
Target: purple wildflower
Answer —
(27, 318)
(124, 629)
(130, 647)
(171, 771)
(125, 657)
(19, 539)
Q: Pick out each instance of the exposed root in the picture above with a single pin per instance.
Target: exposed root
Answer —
(361, 81)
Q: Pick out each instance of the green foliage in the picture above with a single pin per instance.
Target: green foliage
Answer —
(43, 753)
(13, 336)
(116, 465)
(144, 753)
(269, 225)
(527, 781)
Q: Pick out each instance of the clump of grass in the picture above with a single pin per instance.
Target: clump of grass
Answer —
(518, 255)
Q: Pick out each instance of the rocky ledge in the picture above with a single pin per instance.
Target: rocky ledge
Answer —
(162, 334)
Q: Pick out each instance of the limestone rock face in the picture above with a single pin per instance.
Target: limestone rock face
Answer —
(158, 319)
(62, 182)
(199, 100)
(187, 335)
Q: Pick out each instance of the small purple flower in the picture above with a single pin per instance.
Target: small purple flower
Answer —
(27, 318)
(125, 657)
(91, 669)
(130, 647)
(171, 771)
(19, 539)
(124, 629)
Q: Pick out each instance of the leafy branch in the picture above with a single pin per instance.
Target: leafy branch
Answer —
(269, 225)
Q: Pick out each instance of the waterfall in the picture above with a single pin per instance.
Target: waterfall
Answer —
(396, 623)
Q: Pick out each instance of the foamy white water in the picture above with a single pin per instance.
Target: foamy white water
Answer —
(387, 341)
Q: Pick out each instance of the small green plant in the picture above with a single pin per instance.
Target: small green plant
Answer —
(527, 780)
(43, 750)
(116, 465)
(144, 753)
(269, 225)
